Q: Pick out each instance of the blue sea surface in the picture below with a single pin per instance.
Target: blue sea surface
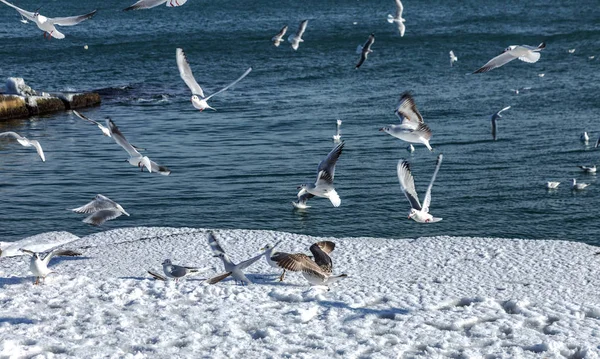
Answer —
(239, 167)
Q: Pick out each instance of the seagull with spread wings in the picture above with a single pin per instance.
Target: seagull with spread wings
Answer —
(524, 53)
(397, 18)
(148, 4)
(100, 210)
(296, 39)
(47, 24)
(495, 117)
(231, 269)
(417, 212)
(198, 100)
(39, 266)
(364, 50)
(23, 141)
(278, 39)
(412, 129)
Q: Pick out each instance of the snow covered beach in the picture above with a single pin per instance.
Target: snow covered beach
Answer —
(440, 297)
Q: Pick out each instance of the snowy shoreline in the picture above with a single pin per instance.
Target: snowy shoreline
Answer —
(426, 297)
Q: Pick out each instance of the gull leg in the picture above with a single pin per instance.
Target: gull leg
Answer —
(37, 279)
(50, 34)
(282, 276)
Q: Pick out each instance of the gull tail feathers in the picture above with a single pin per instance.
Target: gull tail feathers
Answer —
(390, 18)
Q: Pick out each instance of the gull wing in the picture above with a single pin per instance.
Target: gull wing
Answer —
(427, 199)
(157, 276)
(407, 109)
(60, 253)
(120, 139)
(530, 57)
(145, 4)
(325, 246)
(494, 128)
(11, 134)
(38, 148)
(497, 61)
(326, 168)
(27, 14)
(98, 203)
(280, 33)
(103, 215)
(248, 262)
(399, 9)
(301, 28)
(81, 116)
(321, 258)
(218, 278)
(298, 262)
(215, 247)
(71, 20)
(155, 167)
(231, 84)
(407, 183)
(185, 71)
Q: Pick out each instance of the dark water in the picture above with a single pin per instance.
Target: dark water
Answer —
(239, 167)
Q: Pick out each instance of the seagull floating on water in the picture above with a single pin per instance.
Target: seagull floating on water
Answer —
(524, 53)
(39, 266)
(296, 39)
(552, 185)
(148, 4)
(231, 269)
(584, 137)
(135, 158)
(102, 209)
(495, 118)
(578, 186)
(323, 187)
(25, 142)
(412, 129)
(417, 212)
(588, 169)
(364, 50)
(46, 24)
(317, 272)
(453, 58)
(198, 99)
(278, 39)
(541, 75)
(397, 18)
(338, 134)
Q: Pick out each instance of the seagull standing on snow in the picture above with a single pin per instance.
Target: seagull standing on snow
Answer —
(176, 272)
(323, 187)
(318, 271)
(135, 158)
(453, 58)
(397, 18)
(198, 99)
(364, 50)
(25, 142)
(148, 4)
(412, 129)
(231, 269)
(278, 39)
(296, 39)
(102, 209)
(495, 118)
(338, 134)
(39, 266)
(46, 24)
(417, 212)
(524, 53)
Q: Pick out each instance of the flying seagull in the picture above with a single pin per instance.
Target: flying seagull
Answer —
(412, 129)
(296, 39)
(278, 39)
(323, 187)
(364, 50)
(148, 4)
(46, 24)
(231, 269)
(417, 212)
(135, 158)
(39, 266)
(101, 209)
(495, 117)
(397, 18)
(524, 53)
(25, 142)
(453, 58)
(317, 271)
(198, 99)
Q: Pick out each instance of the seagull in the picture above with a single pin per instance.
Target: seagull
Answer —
(338, 135)
(453, 58)
(591, 57)
(410, 148)
(269, 251)
(148, 4)
(412, 129)
(496, 117)
(25, 142)
(417, 212)
(39, 266)
(578, 186)
(364, 50)
(102, 209)
(135, 158)
(296, 39)
(541, 75)
(38, 243)
(571, 51)
(278, 39)
(198, 99)
(588, 169)
(323, 187)
(46, 24)
(231, 269)
(102, 128)
(524, 53)
(317, 272)
(584, 137)
(398, 18)
(516, 91)
(552, 185)
(176, 272)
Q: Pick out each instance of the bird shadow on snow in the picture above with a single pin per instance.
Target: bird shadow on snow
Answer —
(12, 281)
(386, 313)
(16, 320)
